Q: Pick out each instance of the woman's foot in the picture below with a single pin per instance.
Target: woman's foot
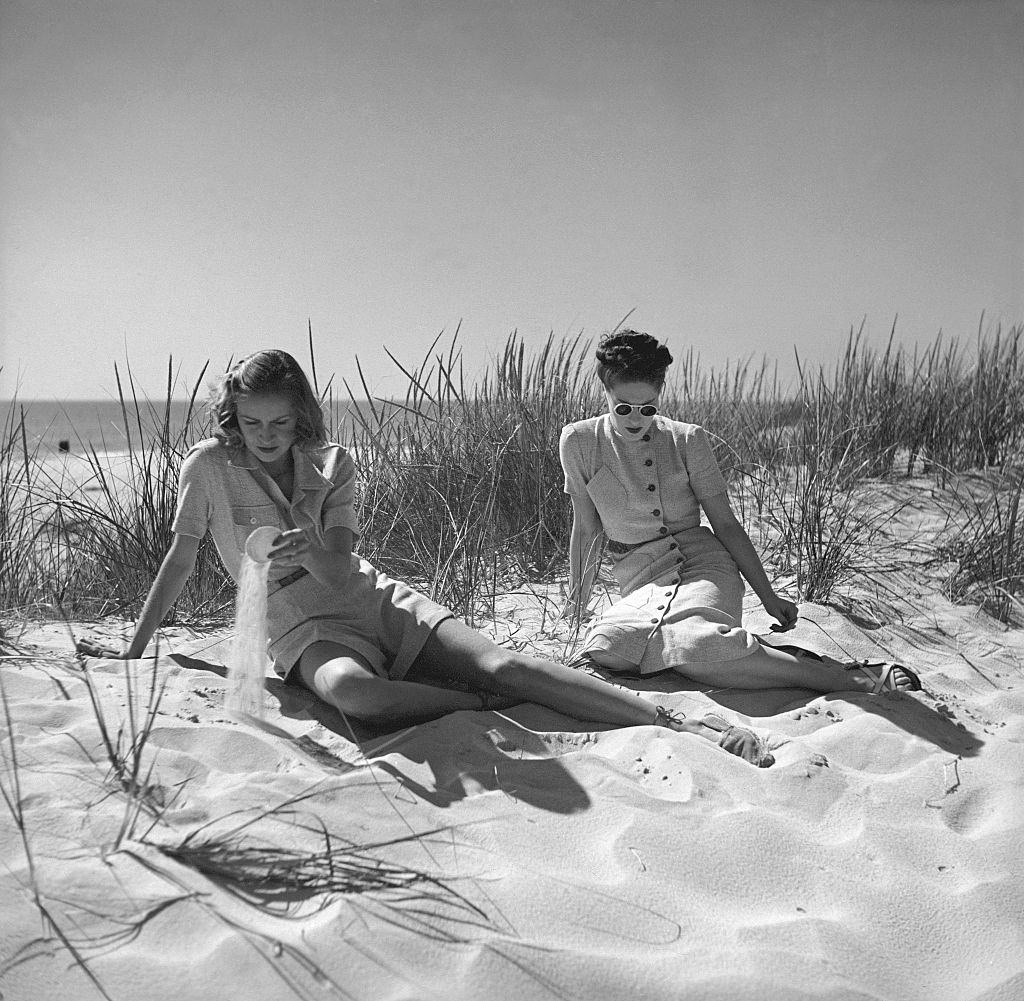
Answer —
(881, 677)
(736, 740)
(741, 741)
(874, 677)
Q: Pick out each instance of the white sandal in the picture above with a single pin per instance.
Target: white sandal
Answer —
(764, 757)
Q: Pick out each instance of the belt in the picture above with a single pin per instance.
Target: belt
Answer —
(289, 579)
(628, 547)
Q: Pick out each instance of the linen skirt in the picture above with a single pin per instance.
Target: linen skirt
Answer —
(384, 620)
(682, 603)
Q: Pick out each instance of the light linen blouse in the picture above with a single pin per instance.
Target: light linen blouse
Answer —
(641, 487)
(219, 493)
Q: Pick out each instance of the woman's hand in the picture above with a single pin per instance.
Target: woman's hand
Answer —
(290, 549)
(784, 610)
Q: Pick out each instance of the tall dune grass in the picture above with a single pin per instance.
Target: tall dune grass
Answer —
(986, 545)
(461, 489)
(93, 547)
(461, 485)
(19, 524)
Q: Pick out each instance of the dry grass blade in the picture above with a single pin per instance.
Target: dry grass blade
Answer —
(126, 749)
(11, 791)
(987, 546)
(237, 853)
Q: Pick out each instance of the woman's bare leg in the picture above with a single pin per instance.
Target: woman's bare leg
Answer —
(343, 679)
(768, 668)
(456, 653)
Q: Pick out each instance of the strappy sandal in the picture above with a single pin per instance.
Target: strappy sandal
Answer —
(882, 674)
(883, 678)
(763, 758)
(666, 717)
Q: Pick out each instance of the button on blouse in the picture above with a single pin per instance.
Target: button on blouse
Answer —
(672, 465)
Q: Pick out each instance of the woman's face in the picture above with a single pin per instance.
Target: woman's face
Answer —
(634, 394)
(267, 424)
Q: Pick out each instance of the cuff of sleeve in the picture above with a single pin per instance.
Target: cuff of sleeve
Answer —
(717, 491)
(341, 520)
(192, 530)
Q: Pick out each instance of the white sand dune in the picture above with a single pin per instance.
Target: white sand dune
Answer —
(879, 858)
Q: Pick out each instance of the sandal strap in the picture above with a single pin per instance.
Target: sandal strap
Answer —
(883, 684)
(665, 717)
(715, 722)
(885, 677)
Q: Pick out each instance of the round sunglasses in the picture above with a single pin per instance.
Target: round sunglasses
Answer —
(625, 409)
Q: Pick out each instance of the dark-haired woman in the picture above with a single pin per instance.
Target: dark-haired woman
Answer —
(371, 646)
(642, 480)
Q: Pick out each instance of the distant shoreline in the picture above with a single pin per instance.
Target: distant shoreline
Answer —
(85, 424)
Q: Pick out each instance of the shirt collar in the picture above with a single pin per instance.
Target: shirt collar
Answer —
(242, 458)
(308, 476)
(652, 428)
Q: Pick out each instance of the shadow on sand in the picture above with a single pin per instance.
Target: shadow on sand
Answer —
(936, 725)
(467, 753)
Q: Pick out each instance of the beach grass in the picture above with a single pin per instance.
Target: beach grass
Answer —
(985, 544)
(461, 494)
(461, 488)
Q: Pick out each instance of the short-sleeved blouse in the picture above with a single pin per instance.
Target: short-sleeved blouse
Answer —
(641, 485)
(682, 596)
(226, 492)
(218, 492)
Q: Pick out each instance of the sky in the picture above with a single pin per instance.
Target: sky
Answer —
(197, 180)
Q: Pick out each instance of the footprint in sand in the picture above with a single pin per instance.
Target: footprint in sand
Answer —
(969, 813)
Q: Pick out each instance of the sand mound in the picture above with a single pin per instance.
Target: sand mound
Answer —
(519, 854)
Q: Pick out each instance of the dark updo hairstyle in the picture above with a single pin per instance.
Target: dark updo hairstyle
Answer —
(629, 356)
(269, 371)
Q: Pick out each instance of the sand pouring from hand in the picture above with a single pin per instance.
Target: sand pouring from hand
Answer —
(247, 665)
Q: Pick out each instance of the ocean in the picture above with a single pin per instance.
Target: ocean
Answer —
(84, 424)
(76, 426)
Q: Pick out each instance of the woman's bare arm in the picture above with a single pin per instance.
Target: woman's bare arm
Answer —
(584, 555)
(733, 536)
(175, 570)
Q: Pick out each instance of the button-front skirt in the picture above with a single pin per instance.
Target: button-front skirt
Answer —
(682, 603)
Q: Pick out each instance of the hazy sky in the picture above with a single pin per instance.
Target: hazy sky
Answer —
(200, 178)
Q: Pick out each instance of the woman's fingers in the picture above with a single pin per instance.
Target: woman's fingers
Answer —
(786, 612)
(290, 548)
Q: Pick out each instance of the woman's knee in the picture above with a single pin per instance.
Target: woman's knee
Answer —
(503, 667)
(610, 661)
(349, 686)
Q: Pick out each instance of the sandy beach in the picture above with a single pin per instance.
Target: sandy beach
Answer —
(484, 248)
(521, 854)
